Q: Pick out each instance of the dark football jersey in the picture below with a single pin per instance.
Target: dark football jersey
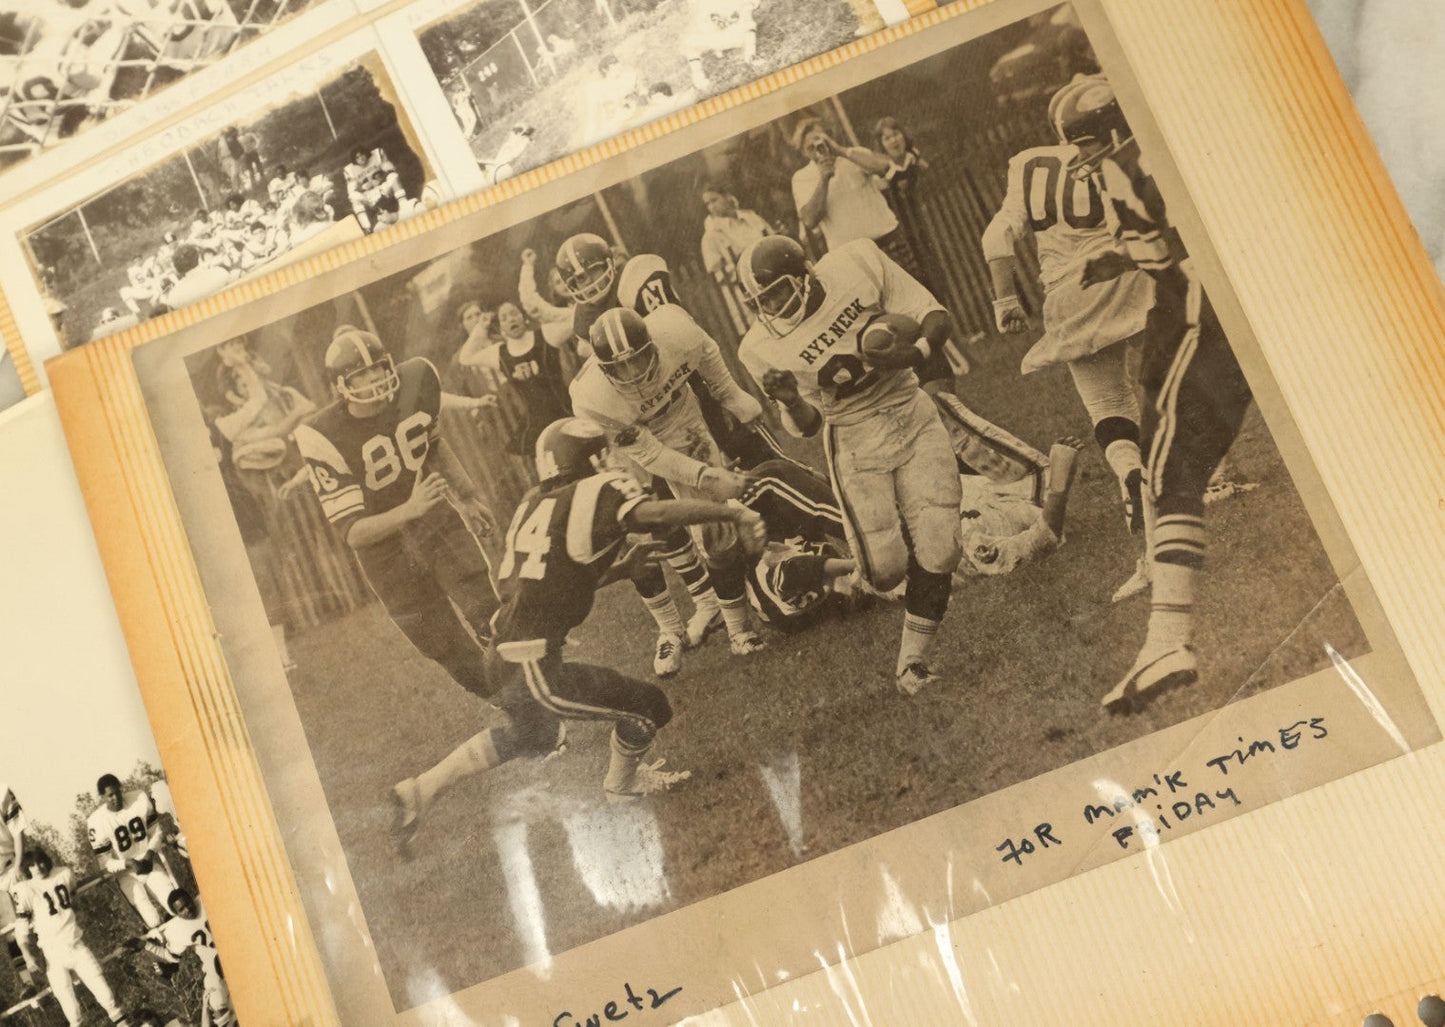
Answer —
(558, 546)
(1143, 224)
(537, 374)
(794, 503)
(368, 465)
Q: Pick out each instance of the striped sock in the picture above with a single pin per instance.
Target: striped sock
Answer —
(918, 635)
(1178, 559)
(623, 762)
(693, 572)
(666, 613)
(735, 615)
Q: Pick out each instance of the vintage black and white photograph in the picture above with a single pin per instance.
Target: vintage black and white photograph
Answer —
(65, 66)
(530, 82)
(100, 917)
(853, 466)
(318, 169)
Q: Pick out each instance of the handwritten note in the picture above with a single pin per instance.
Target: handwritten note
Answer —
(1141, 812)
(614, 1011)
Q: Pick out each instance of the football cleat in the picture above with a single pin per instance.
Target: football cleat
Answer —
(646, 779)
(1227, 489)
(706, 619)
(667, 657)
(915, 677)
(406, 814)
(1154, 672)
(745, 643)
(1132, 491)
(1138, 583)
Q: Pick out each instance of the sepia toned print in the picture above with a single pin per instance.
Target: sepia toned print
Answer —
(530, 83)
(65, 66)
(926, 369)
(317, 170)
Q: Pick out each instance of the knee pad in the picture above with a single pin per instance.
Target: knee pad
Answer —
(936, 544)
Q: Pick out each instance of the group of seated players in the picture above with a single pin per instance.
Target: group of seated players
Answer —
(246, 233)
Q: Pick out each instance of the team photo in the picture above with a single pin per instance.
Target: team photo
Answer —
(319, 169)
(879, 456)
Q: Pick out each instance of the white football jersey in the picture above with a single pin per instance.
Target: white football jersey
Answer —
(14, 822)
(48, 904)
(859, 281)
(125, 833)
(659, 424)
(181, 933)
(1066, 215)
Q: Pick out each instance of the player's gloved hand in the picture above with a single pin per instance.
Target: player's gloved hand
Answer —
(639, 557)
(480, 403)
(1009, 316)
(1106, 267)
(720, 485)
(751, 531)
(781, 386)
(425, 494)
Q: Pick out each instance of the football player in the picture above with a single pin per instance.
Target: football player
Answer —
(124, 831)
(1089, 330)
(1196, 395)
(189, 931)
(1005, 526)
(45, 897)
(566, 540)
(394, 491)
(599, 281)
(888, 454)
(806, 561)
(720, 26)
(636, 386)
(13, 826)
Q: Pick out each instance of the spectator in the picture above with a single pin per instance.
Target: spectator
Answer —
(904, 185)
(726, 232)
(526, 359)
(839, 192)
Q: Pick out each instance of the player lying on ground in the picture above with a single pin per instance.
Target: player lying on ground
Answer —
(806, 564)
(567, 539)
(830, 347)
(1196, 394)
(1089, 330)
(44, 901)
(125, 832)
(189, 931)
(1006, 526)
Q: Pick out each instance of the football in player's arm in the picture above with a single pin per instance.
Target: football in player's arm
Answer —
(568, 538)
(889, 455)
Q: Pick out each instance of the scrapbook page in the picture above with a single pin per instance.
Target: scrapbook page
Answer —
(844, 767)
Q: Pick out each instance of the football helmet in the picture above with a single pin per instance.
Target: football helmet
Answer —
(360, 369)
(1086, 113)
(569, 449)
(588, 270)
(777, 282)
(36, 864)
(624, 350)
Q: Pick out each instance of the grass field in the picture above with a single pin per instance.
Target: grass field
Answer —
(1025, 658)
